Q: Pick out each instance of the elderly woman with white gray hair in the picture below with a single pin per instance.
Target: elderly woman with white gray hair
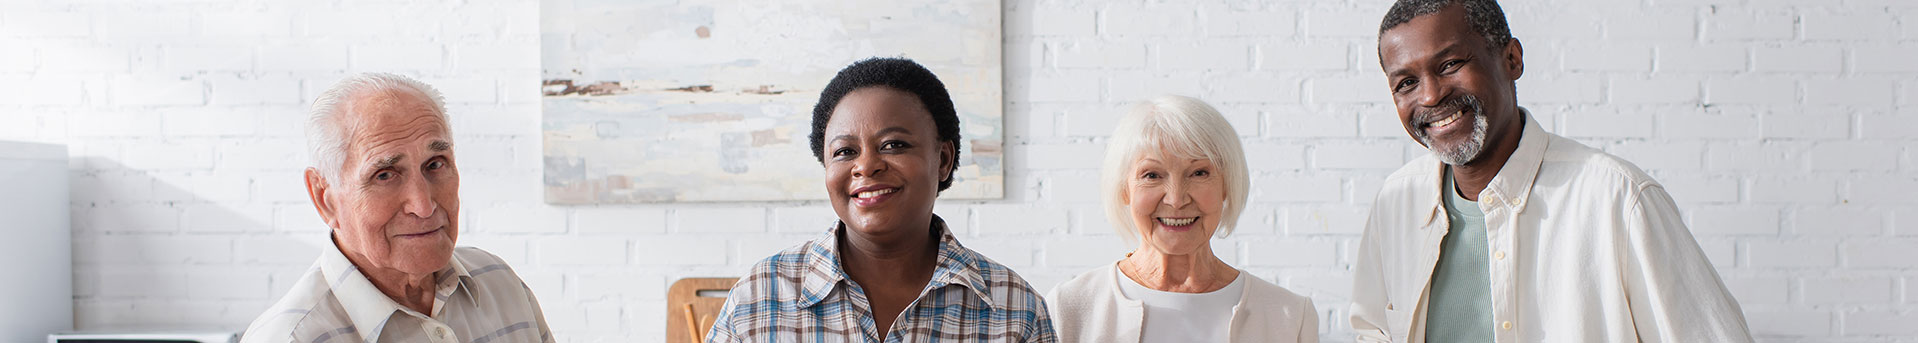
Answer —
(1174, 178)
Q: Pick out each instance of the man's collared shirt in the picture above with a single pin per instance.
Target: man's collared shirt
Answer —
(801, 294)
(478, 300)
(1583, 247)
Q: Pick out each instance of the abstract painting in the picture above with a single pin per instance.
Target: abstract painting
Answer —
(711, 100)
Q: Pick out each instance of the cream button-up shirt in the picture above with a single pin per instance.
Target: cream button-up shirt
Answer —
(478, 299)
(1584, 247)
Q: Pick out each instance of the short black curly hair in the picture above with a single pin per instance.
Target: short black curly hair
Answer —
(899, 74)
(1485, 16)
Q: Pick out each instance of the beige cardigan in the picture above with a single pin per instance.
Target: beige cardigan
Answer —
(1089, 308)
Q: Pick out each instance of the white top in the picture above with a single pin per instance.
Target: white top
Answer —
(1183, 317)
(480, 300)
(1093, 307)
(1584, 247)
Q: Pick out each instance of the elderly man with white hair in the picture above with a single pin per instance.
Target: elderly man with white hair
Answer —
(385, 180)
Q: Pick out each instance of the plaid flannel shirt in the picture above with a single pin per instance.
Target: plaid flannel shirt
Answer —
(802, 295)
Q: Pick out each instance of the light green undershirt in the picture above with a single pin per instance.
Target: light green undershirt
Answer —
(1461, 304)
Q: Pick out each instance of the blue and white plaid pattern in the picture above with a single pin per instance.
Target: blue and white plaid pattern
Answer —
(802, 295)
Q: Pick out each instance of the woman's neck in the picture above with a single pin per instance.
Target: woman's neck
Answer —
(1199, 272)
(908, 256)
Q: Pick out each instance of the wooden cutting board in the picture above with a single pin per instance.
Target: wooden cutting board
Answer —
(689, 314)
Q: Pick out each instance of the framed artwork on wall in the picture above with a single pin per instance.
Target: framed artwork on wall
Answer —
(711, 100)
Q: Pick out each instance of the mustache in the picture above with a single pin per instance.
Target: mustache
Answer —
(1465, 102)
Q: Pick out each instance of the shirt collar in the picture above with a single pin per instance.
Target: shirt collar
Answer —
(366, 306)
(956, 265)
(1513, 183)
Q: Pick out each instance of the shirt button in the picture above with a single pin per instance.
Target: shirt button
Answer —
(1498, 255)
(1507, 325)
(1388, 306)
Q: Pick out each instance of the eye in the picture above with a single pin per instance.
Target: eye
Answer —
(842, 152)
(1201, 173)
(1150, 176)
(1451, 66)
(435, 165)
(894, 145)
(384, 175)
(1405, 85)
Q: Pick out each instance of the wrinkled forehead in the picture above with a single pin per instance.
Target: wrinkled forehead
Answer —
(386, 125)
(393, 110)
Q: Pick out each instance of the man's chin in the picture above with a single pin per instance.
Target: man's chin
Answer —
(1453, 154)
(423, 262)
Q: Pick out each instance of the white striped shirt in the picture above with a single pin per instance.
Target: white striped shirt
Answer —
(479, 300)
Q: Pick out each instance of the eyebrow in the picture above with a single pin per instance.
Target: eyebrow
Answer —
(383, 163)
(882, 132)
(1441, 53)
(439, 146)
(388, 162)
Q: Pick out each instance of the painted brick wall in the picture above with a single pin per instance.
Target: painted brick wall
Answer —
(1786, 129)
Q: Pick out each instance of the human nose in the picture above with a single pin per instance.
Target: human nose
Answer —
(1431, 94)
(1175, 194)
(418, 197)
(868, 165)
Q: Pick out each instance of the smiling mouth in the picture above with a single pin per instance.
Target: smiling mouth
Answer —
(1177, 222)
(875, 193)
(1447, 120)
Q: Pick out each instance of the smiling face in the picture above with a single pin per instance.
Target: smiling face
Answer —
(1175, 203)
(1453, 89)
(884, 161)
(396, 206)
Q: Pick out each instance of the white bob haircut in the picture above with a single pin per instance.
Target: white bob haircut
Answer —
(327, 123)
(1171, 126)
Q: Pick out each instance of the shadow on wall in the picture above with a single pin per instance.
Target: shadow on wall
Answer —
(180, 249)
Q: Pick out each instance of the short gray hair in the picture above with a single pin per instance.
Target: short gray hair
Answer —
(1182, 127)
(326, 132)
(1485, 16)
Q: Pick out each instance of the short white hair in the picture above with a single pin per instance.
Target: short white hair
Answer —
(1175, 127)
(326, 129)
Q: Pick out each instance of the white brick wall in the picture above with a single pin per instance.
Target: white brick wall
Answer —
(1787, 131)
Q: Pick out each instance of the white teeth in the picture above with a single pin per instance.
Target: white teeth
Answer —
(869, 194)
(1448, 119)
(1177, 222)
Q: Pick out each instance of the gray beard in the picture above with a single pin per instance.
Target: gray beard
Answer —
(1464, 151)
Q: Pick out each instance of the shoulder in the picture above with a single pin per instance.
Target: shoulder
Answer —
(1005, 285)
(787, 263)
(490, 273)
(1410, 179)
(1269, 296)
(476, 257)
(1012, 299)
(1412, 189)
(484, 265)
(1081, 290)
(1416, 171)
(774, 277)
(1592, 167)
(307, 311)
